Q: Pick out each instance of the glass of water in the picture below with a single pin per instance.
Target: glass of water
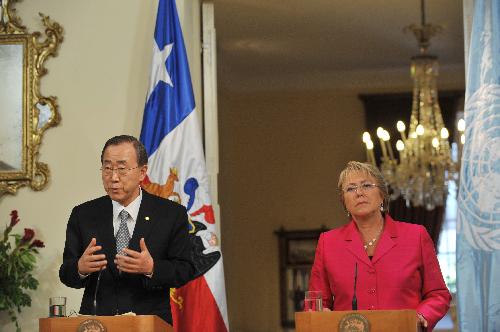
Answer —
(57, 307)
(313, 301)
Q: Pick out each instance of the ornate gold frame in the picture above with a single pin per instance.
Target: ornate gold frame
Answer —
(38, 112)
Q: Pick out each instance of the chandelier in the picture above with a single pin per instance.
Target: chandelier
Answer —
(425, 165)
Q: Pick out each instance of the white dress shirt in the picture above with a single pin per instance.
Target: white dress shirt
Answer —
(133, 211)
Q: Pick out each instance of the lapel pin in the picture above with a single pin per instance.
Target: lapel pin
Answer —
(146, 218)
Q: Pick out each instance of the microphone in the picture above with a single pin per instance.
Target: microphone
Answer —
(95, 292)
(354, 299)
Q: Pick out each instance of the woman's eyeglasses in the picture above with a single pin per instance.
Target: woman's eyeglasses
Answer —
(351, 189)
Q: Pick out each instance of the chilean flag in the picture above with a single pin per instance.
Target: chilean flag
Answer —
(172, 136)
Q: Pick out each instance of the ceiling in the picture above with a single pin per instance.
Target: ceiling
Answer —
(294, 43)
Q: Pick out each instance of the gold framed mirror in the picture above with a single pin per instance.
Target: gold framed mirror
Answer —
(24, 113)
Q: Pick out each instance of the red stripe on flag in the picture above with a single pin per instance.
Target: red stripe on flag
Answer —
(199, 310)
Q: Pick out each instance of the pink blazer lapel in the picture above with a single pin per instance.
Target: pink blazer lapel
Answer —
(354, 244)
(387, 239)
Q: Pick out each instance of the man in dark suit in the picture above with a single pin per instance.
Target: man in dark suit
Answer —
(132, 244)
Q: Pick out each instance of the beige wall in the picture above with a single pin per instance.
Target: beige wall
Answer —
(280, 157)
(101, 78)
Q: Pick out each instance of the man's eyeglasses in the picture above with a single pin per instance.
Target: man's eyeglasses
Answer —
(121, 171)
(362, 188)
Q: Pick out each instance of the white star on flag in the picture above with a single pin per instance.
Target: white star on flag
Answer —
(158, 67)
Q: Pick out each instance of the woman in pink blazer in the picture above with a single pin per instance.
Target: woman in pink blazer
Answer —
(396, 264)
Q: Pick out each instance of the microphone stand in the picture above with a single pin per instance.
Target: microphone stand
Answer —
(95, 292)
(354, 299)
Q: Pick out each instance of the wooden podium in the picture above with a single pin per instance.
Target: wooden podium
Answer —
(378, 321)
(144, 323)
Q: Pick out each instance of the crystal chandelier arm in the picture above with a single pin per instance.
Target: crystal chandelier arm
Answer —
(380, 135)
(400, 125)
(370, 157)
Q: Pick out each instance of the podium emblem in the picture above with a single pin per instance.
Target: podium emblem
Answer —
(91, 325)
(354, 323)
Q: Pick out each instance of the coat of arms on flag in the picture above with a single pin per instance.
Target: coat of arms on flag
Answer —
(172, 136)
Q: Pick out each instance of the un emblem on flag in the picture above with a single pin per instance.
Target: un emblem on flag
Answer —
(479, 209)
